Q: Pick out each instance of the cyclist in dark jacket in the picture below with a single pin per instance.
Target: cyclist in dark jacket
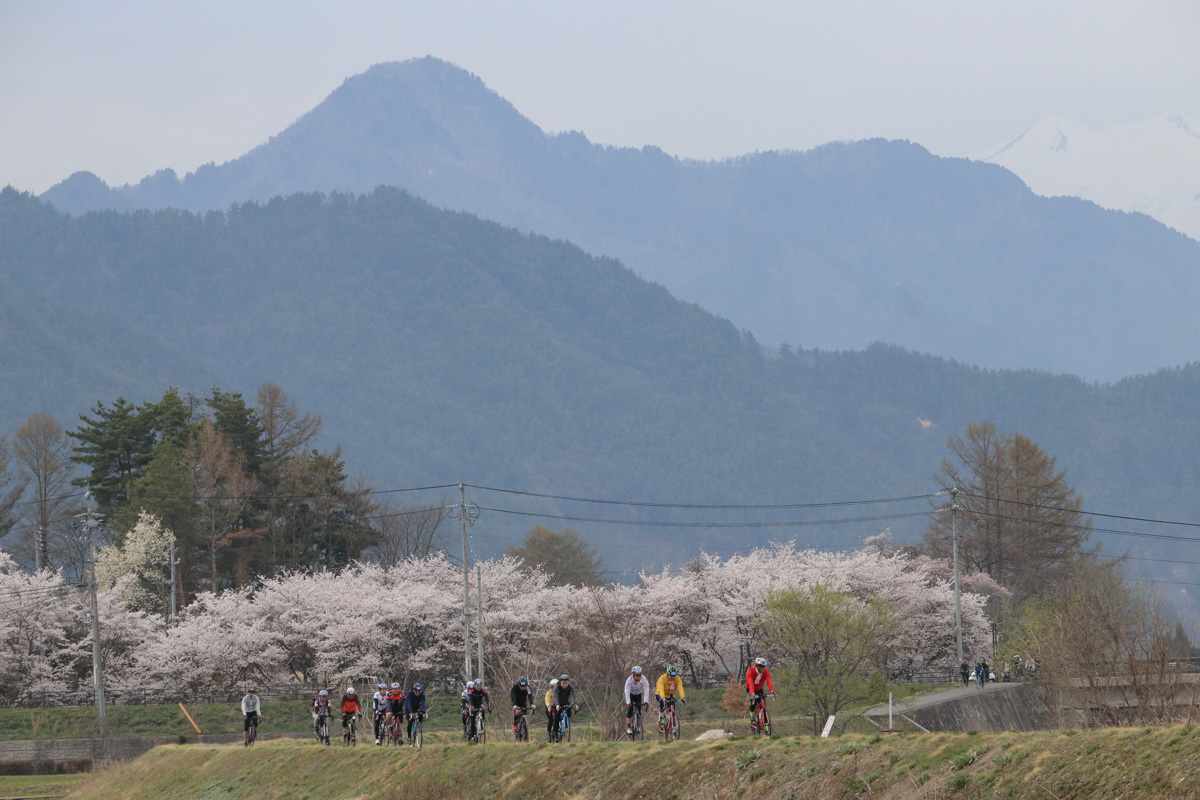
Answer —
(564, 696)
(522, 697)
(414, 704)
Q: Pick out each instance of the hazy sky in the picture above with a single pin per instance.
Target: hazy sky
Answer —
(125, 88)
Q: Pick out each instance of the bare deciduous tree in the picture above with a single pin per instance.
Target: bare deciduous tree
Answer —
(43, 455)
(409, 532)
(1106, 650)
(1019, 520)
(222, 490)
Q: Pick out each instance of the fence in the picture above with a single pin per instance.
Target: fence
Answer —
(150, 696)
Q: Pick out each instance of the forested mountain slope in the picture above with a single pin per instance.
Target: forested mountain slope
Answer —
(442, 348)
(833, 248)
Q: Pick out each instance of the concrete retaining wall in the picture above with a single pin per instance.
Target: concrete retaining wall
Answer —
(110, 750)
(1014, 708)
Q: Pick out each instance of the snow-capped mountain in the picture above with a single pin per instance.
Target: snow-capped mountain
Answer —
(1152, 166)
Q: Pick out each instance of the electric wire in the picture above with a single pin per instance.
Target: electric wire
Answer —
(715, 506)
(665, 524)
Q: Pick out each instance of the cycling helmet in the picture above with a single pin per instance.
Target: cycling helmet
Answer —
(252, 690)
(554, 681)
(672, 670)
(470, 684)
(564, 677)
(636, 670)
(395, 686)
(416, 687)
(383, 686)
(522, 682)
(760, 662)
(324, 693)
(349, 690)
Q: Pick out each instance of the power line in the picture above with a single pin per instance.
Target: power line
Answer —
(717, 506)
(1082, 512)
(661, 524)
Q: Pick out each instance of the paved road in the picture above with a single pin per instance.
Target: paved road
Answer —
(933, 698)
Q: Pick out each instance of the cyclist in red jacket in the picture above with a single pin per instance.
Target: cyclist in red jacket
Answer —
(756, 677)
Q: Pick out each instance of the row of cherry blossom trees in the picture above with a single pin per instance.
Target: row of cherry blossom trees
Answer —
(404, 623)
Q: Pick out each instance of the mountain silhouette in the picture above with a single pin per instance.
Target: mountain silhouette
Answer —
(837, 247)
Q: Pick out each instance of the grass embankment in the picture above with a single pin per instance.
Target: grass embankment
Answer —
(1158, 762)
(38, 785)
(284, 715)
(702, 711)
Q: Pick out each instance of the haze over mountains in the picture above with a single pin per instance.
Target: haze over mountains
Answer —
(834, 248)
(1152, 167)
(440, 348)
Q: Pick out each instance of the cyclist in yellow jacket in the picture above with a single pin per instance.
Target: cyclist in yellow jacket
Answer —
(670, 686)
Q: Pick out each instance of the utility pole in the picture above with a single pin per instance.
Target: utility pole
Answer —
(91, 524)
(957, 595)
(174, 609)
(479, 619)
(468, 515)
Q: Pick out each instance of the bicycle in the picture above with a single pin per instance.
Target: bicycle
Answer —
(563, 734)
(254, 720)
(415, 738)
(393, 736)
(760, 720)
(668, 724)
(635, 725)
(348, 732)
(323, 730)
(478, 732)
(521, 734)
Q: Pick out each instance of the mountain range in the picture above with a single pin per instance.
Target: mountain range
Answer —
(439, 348)
(834, 248)
(1150, 167)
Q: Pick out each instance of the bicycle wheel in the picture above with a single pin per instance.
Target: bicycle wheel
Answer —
(482, 730)
(522, 732)
(416, 734)
(673, 726)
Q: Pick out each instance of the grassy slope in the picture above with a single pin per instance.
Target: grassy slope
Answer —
(1158, 762)
(702, 712)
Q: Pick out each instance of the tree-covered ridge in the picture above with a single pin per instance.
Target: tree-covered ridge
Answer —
(440, 348)
(836, 247)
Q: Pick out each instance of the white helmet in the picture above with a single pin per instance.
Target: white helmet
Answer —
(554, 681)
(349, 690)
(470, 684)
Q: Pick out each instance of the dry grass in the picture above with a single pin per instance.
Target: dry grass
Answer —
(1157, 762)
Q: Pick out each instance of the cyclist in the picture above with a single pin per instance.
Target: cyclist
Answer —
(477, 700)
(637, 694)
(251, 712)
(465, 703)
(395, 701)
(320, 710)
(756, 677)
(379, 708)
(550, 710)
(414, 706)
(350, 709)
(564, 698)
(521, 696)
(669, 686)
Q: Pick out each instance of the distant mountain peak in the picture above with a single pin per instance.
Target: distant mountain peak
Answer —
(1152, 166)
